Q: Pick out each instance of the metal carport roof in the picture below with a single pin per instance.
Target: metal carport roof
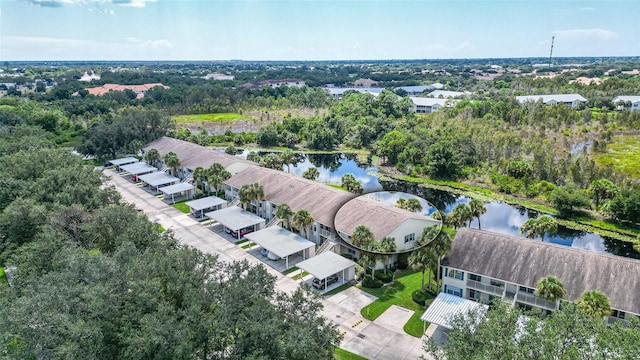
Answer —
(177, 188)
(123, 161)
(158, 178)
(280, 241)
(138, 168)
(205, 203)
(445, 306)
(235, 218)
(325, 264)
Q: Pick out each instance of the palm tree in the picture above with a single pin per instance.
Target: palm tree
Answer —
(477, 208)
(249, 193)
(411, 204)
(441, 243)
(302, 220)
(371, 250)
(254, 156)
(367, 260)
(288, 157)
(551, 288)
(361, 236)
(311, 173)
(594, 304)
(528, 229)
(423, 259)
(284, 212)
(539, 227)
(602, 189)
(172, 161)
(199, 175)
(216, 176)
(460, 215)
(152, 156)
(272, 161)
(349, 182)
(387, 245)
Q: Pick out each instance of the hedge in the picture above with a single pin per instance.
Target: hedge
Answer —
(369, 282)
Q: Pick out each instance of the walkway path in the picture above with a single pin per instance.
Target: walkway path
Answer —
(361, 336)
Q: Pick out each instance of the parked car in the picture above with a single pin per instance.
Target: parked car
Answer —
(243, 232)
(264, 252)
(320, 283)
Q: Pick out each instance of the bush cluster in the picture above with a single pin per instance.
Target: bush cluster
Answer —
(370, 282)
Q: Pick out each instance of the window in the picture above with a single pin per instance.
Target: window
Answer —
(525, 289)
(474, 295)
(452, 290)
(410, 237)
(618, 314)
(496, 283)
(475, 277)
(456, 274)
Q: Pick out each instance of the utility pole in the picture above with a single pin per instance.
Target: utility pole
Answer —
(553, 38)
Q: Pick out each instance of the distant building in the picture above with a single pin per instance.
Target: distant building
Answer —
(275, 83)
(86, 77)
(140, 90)
(338, 93)
(366, 83)
(627, 102)
(571, 100)
(218, 77)
(445, 94)
(425, 105)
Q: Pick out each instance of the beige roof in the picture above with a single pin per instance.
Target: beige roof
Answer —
(379, 217)
(320, 200)
(524, 262)
(193, 155)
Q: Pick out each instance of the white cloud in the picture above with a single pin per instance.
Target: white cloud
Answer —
(586, 34)
(155, 44)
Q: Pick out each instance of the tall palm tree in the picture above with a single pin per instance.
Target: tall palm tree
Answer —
(371, 250)
(534, 227)
(254, 156)
(349, 182)
(199, 176)
(477, 208)
(288, 157)
(284, 212)
(216, 176)
(249, 193)
(594, 304)
(602, 189)
(367, 260)
(423, 258)
(302, 220)
(387, 245)
(460, 215)
(152, 156)
(361, 236)
(441, 243)
(528, 229)
(411, 204)
(552, 289)
(311, 173)
(172, 161)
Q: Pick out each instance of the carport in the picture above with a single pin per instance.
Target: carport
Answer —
(237, 220)
(137, 169)
(122, 161)
(282, 243)
(445, 307)
(206, 204)
(182, 189)
(328, 263)
(158, 179)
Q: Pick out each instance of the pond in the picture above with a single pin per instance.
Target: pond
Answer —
(500, 217)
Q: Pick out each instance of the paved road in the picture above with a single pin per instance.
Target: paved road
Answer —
(373, 340)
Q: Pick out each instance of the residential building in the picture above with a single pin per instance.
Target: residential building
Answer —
(275, 83)
(140, 90)
(627, 102)
(446, 94)
(573, 101)
(367, 83)
(338, 93)
(428, 105)
(484, 266)
(218, 77)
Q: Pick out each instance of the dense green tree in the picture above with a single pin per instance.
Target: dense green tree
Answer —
(284, 212)
(566, 199)
(533, 227)
(301, 220)
(411, 204)
(424, 258)
(311, 173)
(361, 236)
(173, 162)
(552, 289)
(349, 182)
(215, 176)
(602, 189)
(152, 156)
(594, 304)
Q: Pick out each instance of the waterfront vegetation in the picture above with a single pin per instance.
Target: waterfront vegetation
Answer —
(199, 119)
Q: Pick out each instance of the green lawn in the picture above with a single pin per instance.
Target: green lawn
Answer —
(182, 206)
(290, 270)
(398, 293)
(250, 244)
(298, 276)
(217, 117)
(623, 154)
(342, 354)
(338, 289)
(337, 187)
(241, 241)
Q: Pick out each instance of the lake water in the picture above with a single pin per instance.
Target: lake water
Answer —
(500, 217)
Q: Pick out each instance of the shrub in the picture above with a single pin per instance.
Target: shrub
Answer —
(348, 256)
(385, 277)
(369, 282)
(403, 261)
(421, 296)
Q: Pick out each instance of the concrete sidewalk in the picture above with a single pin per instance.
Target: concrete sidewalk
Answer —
(361, 336)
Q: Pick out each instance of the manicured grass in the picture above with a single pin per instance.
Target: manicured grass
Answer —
(338, 289)
(623, 153)
(342, 354)
(250, 244)
(290, 270)
(299, 276)
(337, 186)
(398, 293)
(3, 277)
(241, 241)
(217, 117)
(182, 207)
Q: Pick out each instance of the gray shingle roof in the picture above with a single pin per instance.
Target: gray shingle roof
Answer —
(320, 200)
(524, 262)
(551, 97)
(193, 155)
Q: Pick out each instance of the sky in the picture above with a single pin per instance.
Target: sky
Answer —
(314, 29)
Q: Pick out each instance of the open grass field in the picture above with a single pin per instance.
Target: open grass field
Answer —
(215, 118)
(398, 293)
(182, 206)
(623, 154)
(342, 354)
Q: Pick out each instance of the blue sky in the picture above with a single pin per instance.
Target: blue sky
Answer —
(314, 30)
